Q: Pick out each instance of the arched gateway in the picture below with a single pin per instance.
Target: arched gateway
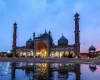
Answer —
(41, 50)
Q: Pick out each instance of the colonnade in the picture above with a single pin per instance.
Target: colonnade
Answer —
(61, 54)
(52, 54)
(25, 53)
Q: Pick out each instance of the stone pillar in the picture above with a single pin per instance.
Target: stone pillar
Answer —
(34, 49)
(59, 54)
(48, 52)
(54, 53)
(64, 54)
(50, 55)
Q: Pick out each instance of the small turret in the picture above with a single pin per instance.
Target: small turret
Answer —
(33, 35)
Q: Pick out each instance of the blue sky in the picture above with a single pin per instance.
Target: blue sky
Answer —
(54, 15)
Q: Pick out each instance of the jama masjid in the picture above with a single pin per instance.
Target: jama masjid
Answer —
(43, 45)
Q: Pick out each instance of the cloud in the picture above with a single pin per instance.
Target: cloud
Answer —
(55, 15)
(2, 5)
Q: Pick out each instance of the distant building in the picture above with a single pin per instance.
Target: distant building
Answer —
(3, 54)
(92, 53)
(43, 45)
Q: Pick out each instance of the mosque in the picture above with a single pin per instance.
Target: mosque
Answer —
(43, 45)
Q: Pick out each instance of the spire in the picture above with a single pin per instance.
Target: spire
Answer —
(62, 34)
(15, 24)
(76, 15)
(30, 37)
(45, 30)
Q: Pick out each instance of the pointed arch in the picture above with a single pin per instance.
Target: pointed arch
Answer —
(41, 49)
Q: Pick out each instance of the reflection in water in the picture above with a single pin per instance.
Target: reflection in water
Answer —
(47, 71)
(92, 68)
(4, 68)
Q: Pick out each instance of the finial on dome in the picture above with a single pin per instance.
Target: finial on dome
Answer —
(30, 37)
(33, 32)
(76, 15)
(62, 34)
(15, 23)
(45, 30)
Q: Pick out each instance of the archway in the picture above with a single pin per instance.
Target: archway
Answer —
(41, 50)
(61, 54)
(72, 53)
(52, 54)
(57, 54)
(66, 53)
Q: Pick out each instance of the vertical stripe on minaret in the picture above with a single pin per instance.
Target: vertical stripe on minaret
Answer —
(14, 39)
(77, 38)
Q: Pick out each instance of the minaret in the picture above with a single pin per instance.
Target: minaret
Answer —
(33, 36)
(77, 36)
(14, 39)
(34, 44)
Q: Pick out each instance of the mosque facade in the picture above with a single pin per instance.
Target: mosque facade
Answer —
(43, 45)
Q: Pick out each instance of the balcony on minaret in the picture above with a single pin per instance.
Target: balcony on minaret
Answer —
(76, 31)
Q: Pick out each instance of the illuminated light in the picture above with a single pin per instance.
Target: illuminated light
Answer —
(20, 52)
(38, 53)
(8, 51)
(31, 54)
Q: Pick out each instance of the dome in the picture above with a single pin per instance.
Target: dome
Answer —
(76, 15)
(62, 41)
(92, 48)
(29, 42)
(93, 68)
(45, 34)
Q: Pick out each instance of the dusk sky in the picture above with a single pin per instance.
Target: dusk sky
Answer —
(54, 15)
